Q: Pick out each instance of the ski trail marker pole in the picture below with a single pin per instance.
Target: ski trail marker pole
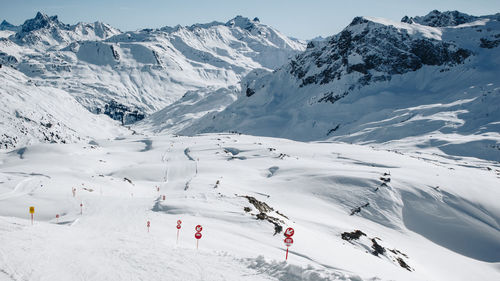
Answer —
(32, 211)
(179, 222)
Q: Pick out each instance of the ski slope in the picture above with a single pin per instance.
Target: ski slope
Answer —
(439, 215)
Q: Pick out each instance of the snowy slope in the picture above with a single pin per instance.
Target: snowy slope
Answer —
(436, 216)
(195, 105)
(30, 114)
(192, 106)
(137, 73)
(406, 86)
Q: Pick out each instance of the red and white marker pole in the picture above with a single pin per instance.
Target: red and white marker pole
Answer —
(198, 235)
(179, 222)
(57, 218)
(148, 224)
(81, 208)
(289, 232)
(164, 197)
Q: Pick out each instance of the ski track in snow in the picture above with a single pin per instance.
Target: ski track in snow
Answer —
(315, 189)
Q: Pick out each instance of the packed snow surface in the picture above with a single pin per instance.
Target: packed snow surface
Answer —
(438, 216)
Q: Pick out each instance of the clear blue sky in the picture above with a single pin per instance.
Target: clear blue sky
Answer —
(301, 19)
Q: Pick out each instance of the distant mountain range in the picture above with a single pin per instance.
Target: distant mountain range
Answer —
(145, 70)
(128, 75)
(424, 82)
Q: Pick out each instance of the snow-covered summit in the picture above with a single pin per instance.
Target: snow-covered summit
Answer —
(243, 22)
(44, 30)
(440, 19)
(373, 49)
(243, 27)
(42, 21)
(445, 19)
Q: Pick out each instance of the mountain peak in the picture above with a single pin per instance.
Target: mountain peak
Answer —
(243, 22)
(5, 25)
(40, 21)
(436, 18)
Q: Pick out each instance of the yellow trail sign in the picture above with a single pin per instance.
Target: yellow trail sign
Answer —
(32, 210)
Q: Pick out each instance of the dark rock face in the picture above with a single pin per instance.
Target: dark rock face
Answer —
(263, 209)
(122, 113)
(490, 44)
(355, 235)
(243, 22)
(377, 248)
(441, 19)
(332, 97)
(249, 92)
(403, 264)
(366, 47)
(40, 21)
(7, 59)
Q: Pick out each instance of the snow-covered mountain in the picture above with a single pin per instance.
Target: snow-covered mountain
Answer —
(444, 19)
(129, 74)
(383, 82)
(43, 31)
(30, 114)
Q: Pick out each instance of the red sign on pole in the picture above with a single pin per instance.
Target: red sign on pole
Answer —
(289, 232)
(81, 208)
(148, 224)
(197, 235)
(163, 197)
(179, 222)
(57, 218)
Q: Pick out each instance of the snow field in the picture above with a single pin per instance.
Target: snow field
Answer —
(315, 185)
